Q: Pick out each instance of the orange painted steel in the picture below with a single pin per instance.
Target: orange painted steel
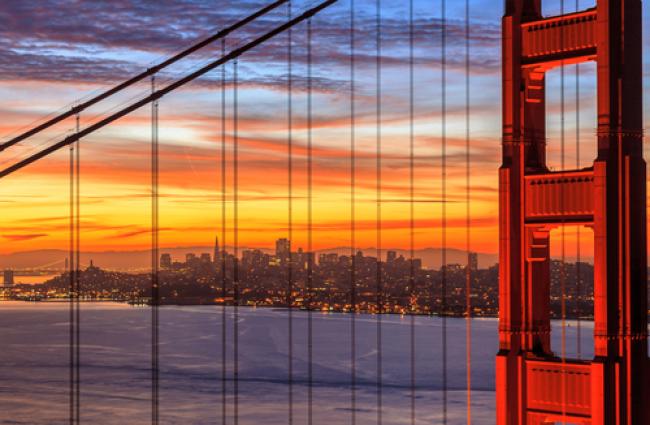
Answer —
(534, 385)
(562, 38)
(560, 197)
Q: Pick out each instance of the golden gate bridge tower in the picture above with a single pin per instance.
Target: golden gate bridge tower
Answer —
(534, 385)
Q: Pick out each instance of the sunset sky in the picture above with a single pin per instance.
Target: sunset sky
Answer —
(55, 52)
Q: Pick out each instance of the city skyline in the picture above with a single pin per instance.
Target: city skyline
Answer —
(56, 259)
(199, 280)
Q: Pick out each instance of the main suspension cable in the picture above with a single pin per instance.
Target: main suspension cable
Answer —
(168, 89)
(150, 72)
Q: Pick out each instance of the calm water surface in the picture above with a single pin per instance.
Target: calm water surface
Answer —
(115, 387)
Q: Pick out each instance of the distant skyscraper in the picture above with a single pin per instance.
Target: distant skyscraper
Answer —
(205, 258)
(417, 263)
(283, 250)
(191, 260)
(8, 278)
(328, 259)
(165, 261)
(472, 260)
(391, 256)
(217, 257)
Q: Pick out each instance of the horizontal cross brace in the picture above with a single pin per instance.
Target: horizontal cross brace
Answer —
(559, 40)
(560, 197)
(546, 380)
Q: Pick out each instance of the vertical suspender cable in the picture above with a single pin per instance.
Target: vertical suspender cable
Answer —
(411, 284)
(468, 220)
(223, 239)
(578, 291)
(73, 276)
(310, 245)
(353, 233)
(378, 223)
(72, 290)
(77, 277)
(155, 296)
(563, 235)
(290, 207)
(236, 237)
(444, 210)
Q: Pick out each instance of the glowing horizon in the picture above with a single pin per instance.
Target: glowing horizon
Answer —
(115, 187)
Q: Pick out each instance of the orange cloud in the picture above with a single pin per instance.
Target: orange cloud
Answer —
(24, 237)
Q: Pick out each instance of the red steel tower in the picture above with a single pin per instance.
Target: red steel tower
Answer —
(535, 386)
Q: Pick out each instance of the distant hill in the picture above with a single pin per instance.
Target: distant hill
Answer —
(114, 260)
(141, 259)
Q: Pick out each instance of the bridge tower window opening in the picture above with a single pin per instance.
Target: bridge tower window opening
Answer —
(554, 7)
(579, 290)
(580, 118)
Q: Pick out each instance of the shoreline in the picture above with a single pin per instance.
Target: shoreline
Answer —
(270, 307)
